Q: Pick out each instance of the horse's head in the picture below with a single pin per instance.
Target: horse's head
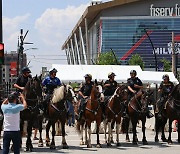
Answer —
(69, 93)
(122, 92)
(176, 92)
(35, 87)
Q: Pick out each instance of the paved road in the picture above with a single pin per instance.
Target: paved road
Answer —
(125, 148)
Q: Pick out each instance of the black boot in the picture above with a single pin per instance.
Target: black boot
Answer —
(149, 114)
(80, 115)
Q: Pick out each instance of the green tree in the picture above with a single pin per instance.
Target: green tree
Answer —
(107, 58)
(167, 65)
(136, 60)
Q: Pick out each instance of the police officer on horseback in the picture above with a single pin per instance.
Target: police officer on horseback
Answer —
(22, 79)
(50, 83)
(110, 85)
(134, 85)
(165, 89)
(84, 93)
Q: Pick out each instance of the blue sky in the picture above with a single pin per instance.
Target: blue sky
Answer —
(49, 23)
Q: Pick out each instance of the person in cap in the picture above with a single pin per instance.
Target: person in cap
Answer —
(50, 83)
(84, 93)
(22, 79)
(11, 111)
(110, 85)
(165, 90)
(135, 85)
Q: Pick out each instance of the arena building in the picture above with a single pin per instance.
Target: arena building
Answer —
(127, 27)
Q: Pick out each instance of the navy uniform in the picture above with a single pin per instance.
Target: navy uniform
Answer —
(84, 93)
(50, 83)
(22, 79)
(165, 88)
(110, 85)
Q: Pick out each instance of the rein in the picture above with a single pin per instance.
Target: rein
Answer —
(137, 110)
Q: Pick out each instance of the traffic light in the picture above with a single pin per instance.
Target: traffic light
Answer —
(1, 53)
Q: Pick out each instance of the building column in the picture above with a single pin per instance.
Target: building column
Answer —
(69, 53)
(83, 46)
(87, 42)
(77, 49)
(67, 56)
(73, 53)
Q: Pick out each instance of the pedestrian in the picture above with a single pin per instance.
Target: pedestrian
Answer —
(11, 108)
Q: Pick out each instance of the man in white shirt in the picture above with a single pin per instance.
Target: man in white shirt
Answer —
(11, 111)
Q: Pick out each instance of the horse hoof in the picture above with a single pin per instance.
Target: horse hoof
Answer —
(127, 140)
(26, 150)
(82, 143)
(109, 144)
(98, 146)
(135, 143)
(52, 147)
(164, 139)
(170, 142)
(40, 144)
(112, 141)
(178, 141)
(156, 139)
(65, 146)
(118, 144)
(47, 143)
(89, 146)
(30, 150)
(145, 143)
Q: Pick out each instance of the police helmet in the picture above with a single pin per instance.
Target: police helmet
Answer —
(165, 76)
(133, 72)
(88, 76)
(26, 70)
(53, 71)
(111, 74)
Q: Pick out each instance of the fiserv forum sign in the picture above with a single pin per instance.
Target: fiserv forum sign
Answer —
(165, 11)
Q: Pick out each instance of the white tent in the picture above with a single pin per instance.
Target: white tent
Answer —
(75, 73)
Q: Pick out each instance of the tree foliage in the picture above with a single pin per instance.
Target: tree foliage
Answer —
(136, 60)
(167, 65)
(107, 58)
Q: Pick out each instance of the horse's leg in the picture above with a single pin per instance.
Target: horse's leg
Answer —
(89, 133)
(65, 146)
(178, 131)
(105, 129)
(86, 138)
(40, 144)
(29, 145)
(52, 145)
(117, 133)
(157, 128)
(97, 133)
(81, 132)
(163, 138)
(144, 131)
(47, 133)
(170, 131)
(127, 129)
(134, 124)
(109, 134)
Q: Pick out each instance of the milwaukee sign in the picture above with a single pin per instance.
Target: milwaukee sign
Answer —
(164, 11)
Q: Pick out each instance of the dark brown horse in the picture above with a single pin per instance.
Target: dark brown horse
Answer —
(114, 109)
(33, 96)
(57, 110)
(137, 110)
(93, 112)
(172, 111)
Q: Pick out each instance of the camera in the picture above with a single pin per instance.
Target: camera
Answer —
(17, 94)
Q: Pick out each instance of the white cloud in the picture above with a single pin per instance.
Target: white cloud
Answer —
(11, 30)
(55, 25)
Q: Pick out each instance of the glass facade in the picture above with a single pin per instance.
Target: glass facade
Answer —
(128, 36)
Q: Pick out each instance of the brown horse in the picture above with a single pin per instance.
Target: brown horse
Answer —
(33, 96)
(114, 109)
(93, 112)
(137, 110)
(57, 110)
(172, 111)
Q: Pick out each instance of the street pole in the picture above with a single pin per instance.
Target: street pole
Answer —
(1, 39)
(173, 56)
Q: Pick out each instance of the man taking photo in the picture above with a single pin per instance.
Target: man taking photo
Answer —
(11, 111)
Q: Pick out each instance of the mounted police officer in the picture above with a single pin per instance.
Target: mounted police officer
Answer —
(84, 93)
(135, 85)
(110, 85)
(165, 89)
(50, 83)
(22, 79)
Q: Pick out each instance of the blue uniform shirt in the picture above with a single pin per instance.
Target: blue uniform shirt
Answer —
(51, 83)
